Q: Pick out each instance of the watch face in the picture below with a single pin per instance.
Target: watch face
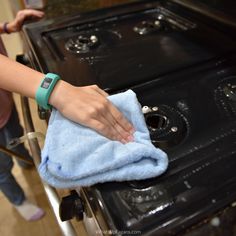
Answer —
(46, 83)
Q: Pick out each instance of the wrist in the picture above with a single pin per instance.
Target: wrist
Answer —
(45, 89)
(59, 94)
(11, 28)
(5, 28)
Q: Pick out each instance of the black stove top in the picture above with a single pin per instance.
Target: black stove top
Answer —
(191, 117)
(126, 46)
(183, 70)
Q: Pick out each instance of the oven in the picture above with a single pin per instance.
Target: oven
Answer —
(179, 57)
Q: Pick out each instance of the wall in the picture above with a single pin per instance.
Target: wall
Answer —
(12, 42)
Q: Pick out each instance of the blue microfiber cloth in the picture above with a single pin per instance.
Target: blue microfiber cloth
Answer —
(74, 155)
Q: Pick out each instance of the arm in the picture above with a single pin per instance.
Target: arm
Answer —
(21, 16)
(85, 105)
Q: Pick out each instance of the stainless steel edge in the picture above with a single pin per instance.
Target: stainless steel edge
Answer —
(90, 220)
(67, 228)
(16, 155)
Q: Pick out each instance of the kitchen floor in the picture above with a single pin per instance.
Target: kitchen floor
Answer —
(11, 223)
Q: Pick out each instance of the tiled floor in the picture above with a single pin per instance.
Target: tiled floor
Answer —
(11, 224)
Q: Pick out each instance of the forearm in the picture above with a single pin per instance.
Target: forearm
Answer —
(85, 105)
(18, 78)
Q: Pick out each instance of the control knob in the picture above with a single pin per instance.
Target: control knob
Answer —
(71, 206)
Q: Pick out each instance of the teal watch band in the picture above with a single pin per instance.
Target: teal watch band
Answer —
(45, 89)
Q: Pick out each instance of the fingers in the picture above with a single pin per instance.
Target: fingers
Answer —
(113, 118)
(94, 119)
(90, 107)
(103, 127)
(121, 120)
(100, 91)
(94, 89)
(28, 13)
(116, 128)
(23, 15)
(98, 115)
(123, 135)
(116, 119)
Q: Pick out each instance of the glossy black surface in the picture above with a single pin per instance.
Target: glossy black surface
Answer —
(201, 176)
(183, 69)
(226, 7)
(122, 56)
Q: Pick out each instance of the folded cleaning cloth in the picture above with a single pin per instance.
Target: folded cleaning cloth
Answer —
(74, 155)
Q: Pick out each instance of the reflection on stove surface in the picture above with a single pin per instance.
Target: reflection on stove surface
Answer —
(117, 47)
(144, 202)
(164, 21)
(183, 71)
(225, 96)
(193, 119)
(147, 27)
(82, 44)
(156, 20)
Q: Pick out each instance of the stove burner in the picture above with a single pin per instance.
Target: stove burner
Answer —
(167, 126)
(82, 44)
(156, 121)
(146, 27)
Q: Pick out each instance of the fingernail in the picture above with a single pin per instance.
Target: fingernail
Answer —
(132, 130)
(123, 141)
(130, 138)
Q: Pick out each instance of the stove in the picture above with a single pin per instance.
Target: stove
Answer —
(182, 66)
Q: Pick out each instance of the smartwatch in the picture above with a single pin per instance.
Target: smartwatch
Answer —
(45, 89)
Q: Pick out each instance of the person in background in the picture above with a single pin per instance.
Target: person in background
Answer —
(86, 105)
(11, 128)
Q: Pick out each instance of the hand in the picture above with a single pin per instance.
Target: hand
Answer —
(22, 15)
(90, 107)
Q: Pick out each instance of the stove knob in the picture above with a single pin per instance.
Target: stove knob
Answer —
(71, 206)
